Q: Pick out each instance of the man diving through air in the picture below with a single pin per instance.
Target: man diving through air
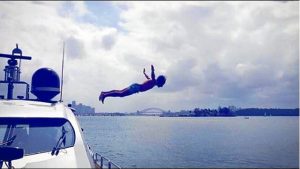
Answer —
(135, 88)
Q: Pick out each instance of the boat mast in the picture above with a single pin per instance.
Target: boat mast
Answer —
(62, 73)
(13, 71)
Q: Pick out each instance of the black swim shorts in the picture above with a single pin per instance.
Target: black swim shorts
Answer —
(134, 88)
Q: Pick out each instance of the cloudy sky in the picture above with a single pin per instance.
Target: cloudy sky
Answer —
(213, 53)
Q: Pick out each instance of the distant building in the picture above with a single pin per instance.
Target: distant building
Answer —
(82, 109)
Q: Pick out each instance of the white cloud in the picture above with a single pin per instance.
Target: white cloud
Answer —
(213, 53)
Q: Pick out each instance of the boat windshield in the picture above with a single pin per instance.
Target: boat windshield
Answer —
(36, 135)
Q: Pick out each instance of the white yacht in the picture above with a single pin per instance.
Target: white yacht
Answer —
(40, 133)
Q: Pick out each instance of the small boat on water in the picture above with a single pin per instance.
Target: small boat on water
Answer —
(40, 133)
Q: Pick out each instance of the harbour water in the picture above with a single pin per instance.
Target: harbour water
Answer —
(223, 142)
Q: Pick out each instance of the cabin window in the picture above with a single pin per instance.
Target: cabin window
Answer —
(37, 135)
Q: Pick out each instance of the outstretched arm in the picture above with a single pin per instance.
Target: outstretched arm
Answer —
(145, 74)
(152, 72)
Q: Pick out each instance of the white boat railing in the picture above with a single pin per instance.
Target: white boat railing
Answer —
(100, 160)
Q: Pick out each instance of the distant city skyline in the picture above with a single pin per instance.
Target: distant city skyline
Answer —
(213, 53)
(82, 109)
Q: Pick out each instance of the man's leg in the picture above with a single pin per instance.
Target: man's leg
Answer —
(114, 93)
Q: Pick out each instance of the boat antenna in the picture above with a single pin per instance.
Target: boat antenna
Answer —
(62, 72)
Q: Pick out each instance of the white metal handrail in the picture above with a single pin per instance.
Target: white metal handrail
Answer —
(99, 158)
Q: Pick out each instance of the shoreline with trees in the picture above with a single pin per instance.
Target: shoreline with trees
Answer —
(231, 111)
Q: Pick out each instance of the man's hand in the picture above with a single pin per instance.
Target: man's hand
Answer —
(152, 72)
(152, 68)
(146, 74)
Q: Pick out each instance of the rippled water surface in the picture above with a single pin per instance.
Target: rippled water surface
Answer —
(139, 141)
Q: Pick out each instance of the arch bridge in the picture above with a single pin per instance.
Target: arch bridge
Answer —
(151, 111)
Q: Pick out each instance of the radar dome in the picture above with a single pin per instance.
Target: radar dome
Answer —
(45, 84)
